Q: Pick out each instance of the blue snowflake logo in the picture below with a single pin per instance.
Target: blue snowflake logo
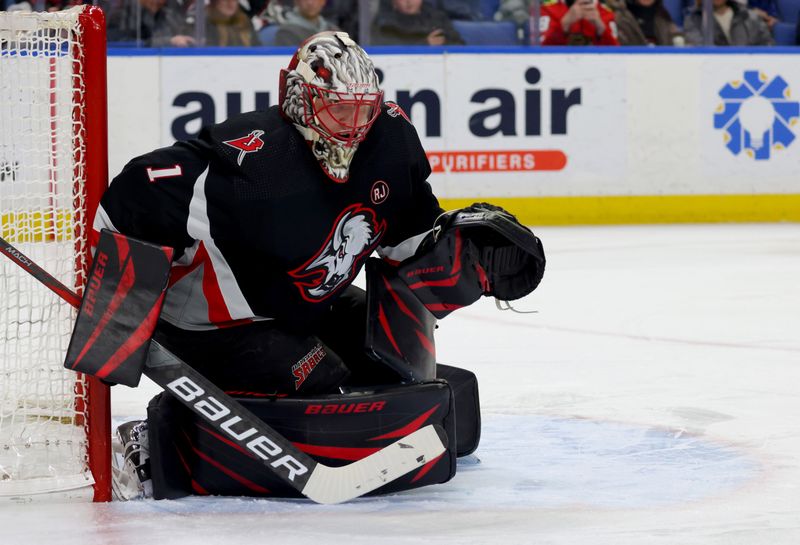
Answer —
(757, 115)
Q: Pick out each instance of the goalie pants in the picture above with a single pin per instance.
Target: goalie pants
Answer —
(270, 358)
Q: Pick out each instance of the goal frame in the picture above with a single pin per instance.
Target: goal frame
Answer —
(89, 150)
(92, 22)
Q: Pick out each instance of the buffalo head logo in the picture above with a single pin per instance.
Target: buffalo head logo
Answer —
(354, 236)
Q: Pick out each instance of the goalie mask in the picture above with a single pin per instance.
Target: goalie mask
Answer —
(330, 92)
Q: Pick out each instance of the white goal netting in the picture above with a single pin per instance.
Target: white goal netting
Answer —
(43, 438)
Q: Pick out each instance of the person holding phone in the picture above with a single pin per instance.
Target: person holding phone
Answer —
(577, 22)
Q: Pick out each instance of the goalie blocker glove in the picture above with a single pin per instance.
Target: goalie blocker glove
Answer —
(478, 250)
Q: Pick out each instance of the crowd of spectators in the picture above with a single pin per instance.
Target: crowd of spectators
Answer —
(152, 22)
(303, 20)
(734, 24)
(645, 22)
(577, 22)
(177, 23)
(413, 22)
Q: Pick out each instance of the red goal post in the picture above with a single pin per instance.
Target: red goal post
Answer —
(54, 425)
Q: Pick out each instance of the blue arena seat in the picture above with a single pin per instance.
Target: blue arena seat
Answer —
(784, 33)
(267, 34)
(487, 32)
(789, 11)
(675, 9)
(489, 8)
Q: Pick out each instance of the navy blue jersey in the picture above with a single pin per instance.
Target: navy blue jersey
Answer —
(260, 231)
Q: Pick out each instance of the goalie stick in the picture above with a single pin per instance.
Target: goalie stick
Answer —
(316, 481)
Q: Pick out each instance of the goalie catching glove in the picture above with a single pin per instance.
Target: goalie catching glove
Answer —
(478, 250)
(510, 254)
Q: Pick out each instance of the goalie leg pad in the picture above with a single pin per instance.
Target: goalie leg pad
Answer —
(468, 409)
(187, 457)
(400, 330)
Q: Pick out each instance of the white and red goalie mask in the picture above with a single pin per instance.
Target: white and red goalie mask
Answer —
(330, 92)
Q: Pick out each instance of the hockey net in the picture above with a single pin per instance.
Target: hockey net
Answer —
(54, 424)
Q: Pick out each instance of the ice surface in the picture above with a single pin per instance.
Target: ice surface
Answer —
(652, 399)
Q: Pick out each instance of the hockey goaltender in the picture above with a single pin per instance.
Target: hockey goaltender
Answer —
(271, 215)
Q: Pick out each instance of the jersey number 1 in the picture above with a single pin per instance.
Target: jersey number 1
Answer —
(158, 173)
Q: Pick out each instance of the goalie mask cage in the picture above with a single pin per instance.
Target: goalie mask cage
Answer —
(54, 424)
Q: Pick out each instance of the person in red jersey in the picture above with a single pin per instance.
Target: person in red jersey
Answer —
(578, 22)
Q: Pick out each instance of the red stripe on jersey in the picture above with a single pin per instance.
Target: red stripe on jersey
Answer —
(217, 309)
(179, 271)
(218, 313)
(233, 323)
